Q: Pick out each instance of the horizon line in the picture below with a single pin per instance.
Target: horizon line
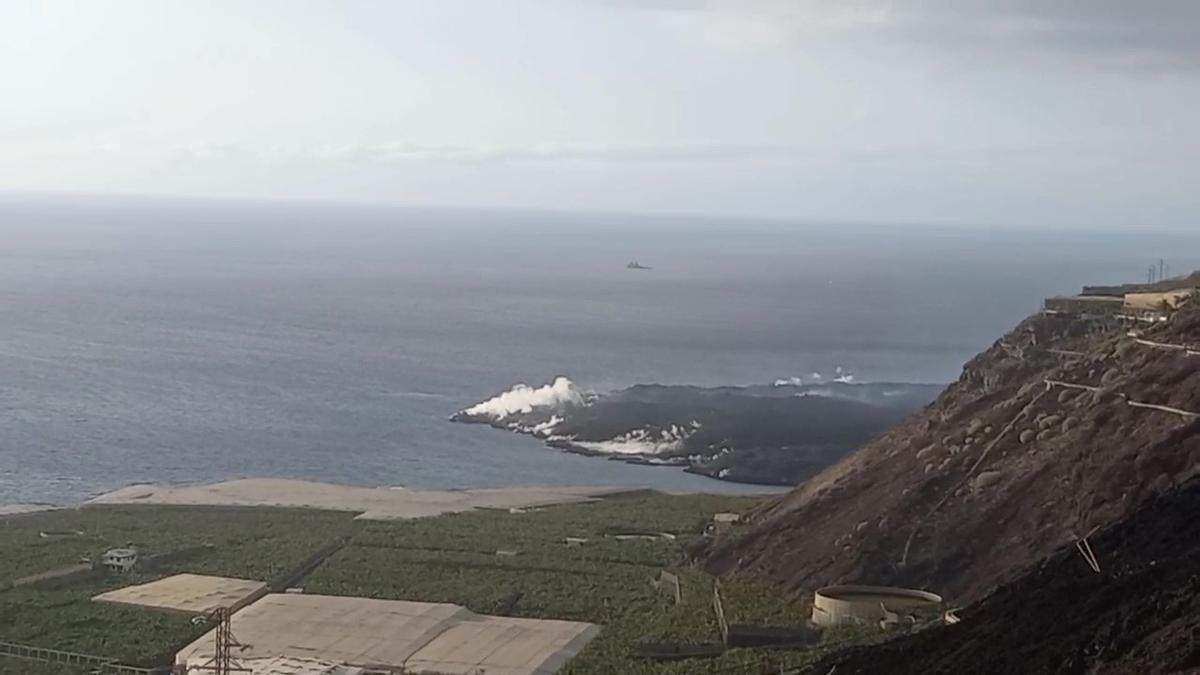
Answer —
(745, 218)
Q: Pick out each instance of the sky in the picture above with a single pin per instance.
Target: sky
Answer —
(1063, 113)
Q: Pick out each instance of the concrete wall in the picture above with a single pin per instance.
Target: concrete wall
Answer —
(1085, 305)
(848, 605)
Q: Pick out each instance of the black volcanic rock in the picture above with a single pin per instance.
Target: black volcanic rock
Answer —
(776, 435)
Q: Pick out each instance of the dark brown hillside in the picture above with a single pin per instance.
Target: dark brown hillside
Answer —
(997, 473)
(1140, 614)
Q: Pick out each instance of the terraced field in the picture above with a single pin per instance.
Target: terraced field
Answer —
(488, 561)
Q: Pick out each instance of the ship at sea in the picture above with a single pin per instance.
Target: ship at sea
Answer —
(635, 265)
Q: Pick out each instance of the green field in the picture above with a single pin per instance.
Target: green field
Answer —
(247, 543)
(450, 558)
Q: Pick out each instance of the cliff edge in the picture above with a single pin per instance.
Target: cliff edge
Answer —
(1062, 427)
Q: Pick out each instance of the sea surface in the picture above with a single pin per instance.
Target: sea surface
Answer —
(177, 341)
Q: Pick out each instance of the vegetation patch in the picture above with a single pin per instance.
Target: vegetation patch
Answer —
(450, 558)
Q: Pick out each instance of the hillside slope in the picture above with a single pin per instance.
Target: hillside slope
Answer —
(998, 472)
(1140, 614)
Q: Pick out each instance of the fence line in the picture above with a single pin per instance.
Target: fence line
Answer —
(98, 663)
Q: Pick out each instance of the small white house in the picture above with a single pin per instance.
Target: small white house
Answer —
(119, 559)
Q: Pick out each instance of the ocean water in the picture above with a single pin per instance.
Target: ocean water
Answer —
(182, 340)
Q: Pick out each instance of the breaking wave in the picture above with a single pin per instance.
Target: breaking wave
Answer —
(840, 375)
(643, 441)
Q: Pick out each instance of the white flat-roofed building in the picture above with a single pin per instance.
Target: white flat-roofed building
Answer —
(189, 593)
(119, 559)
(415, 636)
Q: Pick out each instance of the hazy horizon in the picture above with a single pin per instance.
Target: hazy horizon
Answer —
(168, 341)
(76, 199)
(1067, 114)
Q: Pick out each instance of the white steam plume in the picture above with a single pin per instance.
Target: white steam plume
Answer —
(523, 399)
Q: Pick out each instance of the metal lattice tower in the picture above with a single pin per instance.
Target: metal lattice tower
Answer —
(222, 662)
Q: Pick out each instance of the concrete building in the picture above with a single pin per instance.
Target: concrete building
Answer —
(120, 560)
(1085, 306)
(722, 523)
(1156, 306)
(1145, 302)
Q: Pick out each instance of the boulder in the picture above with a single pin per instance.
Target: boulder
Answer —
(985, 480)
(1049, 421)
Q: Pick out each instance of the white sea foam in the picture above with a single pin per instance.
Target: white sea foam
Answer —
(523, 399)
(627, 447)
(643, 441)
(799, 380)
(544, 428)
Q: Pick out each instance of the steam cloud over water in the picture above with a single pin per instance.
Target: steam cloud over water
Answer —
(173, 341)
(774, 434)
(523, 399)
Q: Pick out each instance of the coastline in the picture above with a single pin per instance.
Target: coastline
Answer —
(370, 503)
(776, 435)
(21, 509)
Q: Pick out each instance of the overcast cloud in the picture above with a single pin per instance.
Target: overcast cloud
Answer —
(1058, 112)
(1154, 33)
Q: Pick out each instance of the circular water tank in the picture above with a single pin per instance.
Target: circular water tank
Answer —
(842, 605)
